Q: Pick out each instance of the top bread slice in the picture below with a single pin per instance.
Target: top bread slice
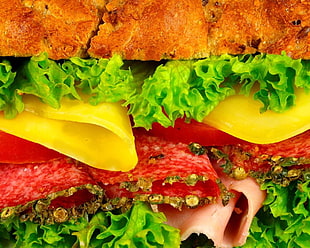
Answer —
(62, 28)
(154, 30)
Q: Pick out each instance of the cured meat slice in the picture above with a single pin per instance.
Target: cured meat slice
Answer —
(261, 157)
(210, 220)
(159, 159)
(250, 199)
(226, 225)
(22, 183)
(297, 146)
(200, 189)
(164, 168)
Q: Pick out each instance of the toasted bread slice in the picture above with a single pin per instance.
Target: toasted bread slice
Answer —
(62, 28)
(154, 30)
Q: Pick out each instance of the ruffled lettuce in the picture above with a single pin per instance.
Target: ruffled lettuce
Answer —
(101, 80)
(138, 227)
(284, 220)
(10, 101)
(156, 93)
(193, 89)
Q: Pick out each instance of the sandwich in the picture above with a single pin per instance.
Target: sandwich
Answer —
(154, 124)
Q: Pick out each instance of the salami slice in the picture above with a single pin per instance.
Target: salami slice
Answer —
(207, 189)
(158, 160)
(297, 146)
(293, 153)
(165, 169)
(22, 183)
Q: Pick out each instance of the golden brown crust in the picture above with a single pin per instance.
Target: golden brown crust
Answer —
(138, 29)
(296, 41)
(153, 30)
(60, 27)
(266, 26)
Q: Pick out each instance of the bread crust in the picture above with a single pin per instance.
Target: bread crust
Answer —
(250, 26)
(151, 29)
(138, 30)
(62, 28)
(154, 30)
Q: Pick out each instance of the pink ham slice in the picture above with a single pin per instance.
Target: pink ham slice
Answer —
(210, 220)
(250, 200)
(228, 225)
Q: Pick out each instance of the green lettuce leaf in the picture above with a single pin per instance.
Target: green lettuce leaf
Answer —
(45, 79)
(180, 89)
(284, 221)
(104, 80)
(192, 89)
(10, 102)
(156, 92)
(138, 227)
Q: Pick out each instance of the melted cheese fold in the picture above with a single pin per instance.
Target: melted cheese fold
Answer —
(240, 117)
(100, 136)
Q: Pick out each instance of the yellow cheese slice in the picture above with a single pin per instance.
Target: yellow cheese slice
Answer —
(100, 136)
(239, 116)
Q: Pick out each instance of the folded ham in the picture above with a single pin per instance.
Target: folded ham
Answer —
(227, 225)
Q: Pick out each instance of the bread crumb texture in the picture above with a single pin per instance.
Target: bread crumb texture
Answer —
(154, 30)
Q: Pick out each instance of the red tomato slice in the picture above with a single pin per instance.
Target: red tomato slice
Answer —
(194, 132)
(17, 150)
